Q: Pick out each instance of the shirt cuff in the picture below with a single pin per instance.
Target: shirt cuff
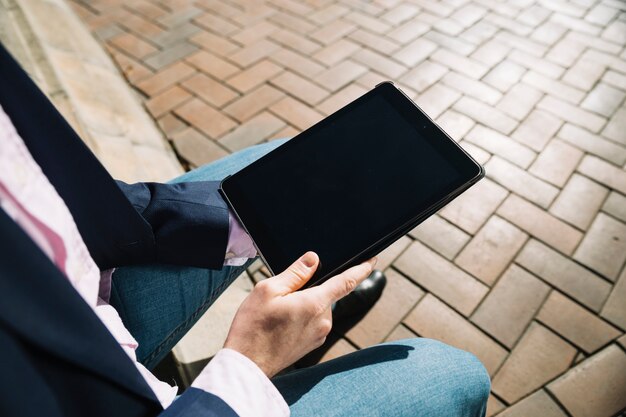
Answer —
(240, 247)
(241, 384)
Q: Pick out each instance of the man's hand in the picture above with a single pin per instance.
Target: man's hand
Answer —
(276, 324)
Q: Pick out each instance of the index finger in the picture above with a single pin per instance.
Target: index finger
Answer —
(341, 285)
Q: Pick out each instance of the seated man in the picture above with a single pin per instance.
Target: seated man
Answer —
(78, 339)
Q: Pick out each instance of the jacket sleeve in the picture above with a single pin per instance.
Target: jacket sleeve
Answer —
(189, 221)
(196, 402)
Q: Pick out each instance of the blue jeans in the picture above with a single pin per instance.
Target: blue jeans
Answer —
(413, 377)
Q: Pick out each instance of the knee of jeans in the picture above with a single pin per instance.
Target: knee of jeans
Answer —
(470, 384)
(461, 375)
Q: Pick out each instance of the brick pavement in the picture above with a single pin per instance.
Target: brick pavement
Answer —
(526, 270)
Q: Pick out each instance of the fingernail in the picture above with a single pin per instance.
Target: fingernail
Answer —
(308, 259)
(373, 261)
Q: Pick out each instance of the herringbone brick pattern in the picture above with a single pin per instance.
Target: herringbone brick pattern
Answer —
(525, 270)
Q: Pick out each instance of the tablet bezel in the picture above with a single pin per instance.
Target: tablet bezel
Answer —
(428, 129)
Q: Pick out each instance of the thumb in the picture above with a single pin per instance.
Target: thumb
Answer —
(298, 273)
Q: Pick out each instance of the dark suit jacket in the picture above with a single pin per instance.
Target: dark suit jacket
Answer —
(56, 356)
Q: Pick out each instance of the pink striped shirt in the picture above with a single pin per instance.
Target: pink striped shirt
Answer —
(31, 201)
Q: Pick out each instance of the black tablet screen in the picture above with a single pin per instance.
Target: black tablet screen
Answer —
(342, 185)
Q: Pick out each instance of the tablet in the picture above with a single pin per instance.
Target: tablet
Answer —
(350, 185)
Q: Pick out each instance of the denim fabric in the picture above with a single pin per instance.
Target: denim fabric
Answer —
(413, 377)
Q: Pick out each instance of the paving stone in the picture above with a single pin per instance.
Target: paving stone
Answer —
(556, 162)
(572, 113)
(604, 99)
(408, 31)
(481, 156)
(252, 132)
(486, 115)
(171, 124)
(511, 305)
(214, 43)
(170, 55)
(300, 87)
(569, 277)
(519, 101)
(504, 75)
(441, 236)
(471, 209)
(167, 100)
(537, 404)
(196, 148)
(133, 45)
(211, 91)
(469, 86)
(175, 35)
(494, 406)
(399, 297)
(254, 32)
(340, 75)
(615, 79)
(452, 43)
(539, 65)
(615, 32)
(252, 103)
(566, 52)
(297, 63)
(553, 87)
(537, 130)
(615, 308)
(467, 66)
(212, 64)
(593, 144)
(441, 277)
(424, 75)
(379, 63)
(491, 52)
(294, 40)
(255, 75)
(415, 52)
(540, 224)
(500, 145)
(585, 73)
(548, 33)
(539, 357)
(400, 13)
(437, 99)
(604, 173)
(165, 78)
(296, 113)
(491, 250)
(400, 333)
(596, 387)
(469, 14)
(604, 247)
(216, 23)
(455, 124)
(579, 201)
(575, 323)
(253, 52)
(368, 22)
(336, 52)
(616, 128)
(615, 205)
(333, 31)
(433, 319)
(205, 118)
(521, 182)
